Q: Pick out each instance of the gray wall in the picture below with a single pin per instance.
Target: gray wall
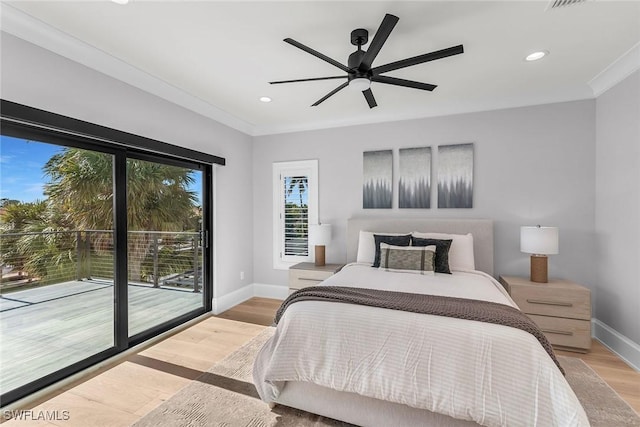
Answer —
(38, 78)
(617, 221)
(533, 165)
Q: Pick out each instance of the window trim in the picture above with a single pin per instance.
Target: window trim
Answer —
(307, 167)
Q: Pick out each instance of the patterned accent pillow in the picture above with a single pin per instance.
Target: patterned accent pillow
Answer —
(407, 259)
(442, 251)
(403, 240)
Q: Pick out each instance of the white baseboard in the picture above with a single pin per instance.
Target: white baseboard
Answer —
(626, 349)
(227, 301)
(270, 291)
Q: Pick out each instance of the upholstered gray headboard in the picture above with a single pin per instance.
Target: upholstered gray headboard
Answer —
(482, 230)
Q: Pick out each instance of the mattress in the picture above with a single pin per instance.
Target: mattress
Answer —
(467, 370)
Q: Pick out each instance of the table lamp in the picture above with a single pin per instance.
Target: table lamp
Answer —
(539, 242)
(320, 236)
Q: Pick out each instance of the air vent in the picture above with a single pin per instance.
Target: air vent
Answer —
(554, 4)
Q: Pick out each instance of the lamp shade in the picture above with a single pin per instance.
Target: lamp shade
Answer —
(539, 240)
(319, 234)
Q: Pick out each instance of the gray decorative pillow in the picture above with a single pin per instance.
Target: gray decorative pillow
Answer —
(408, 259)
(442, 251)
(402, 240)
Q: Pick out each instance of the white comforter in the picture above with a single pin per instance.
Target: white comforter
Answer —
(491, 374)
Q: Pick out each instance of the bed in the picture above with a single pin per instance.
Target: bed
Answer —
(369, 365)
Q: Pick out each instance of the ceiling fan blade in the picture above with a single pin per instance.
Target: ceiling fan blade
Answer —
(402, 82)
(316, 54)
(432, 56)
(378, 41)
(308, 80)
(333, 92)
(368, 95)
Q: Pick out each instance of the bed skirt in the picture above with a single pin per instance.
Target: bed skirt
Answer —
(360, 410)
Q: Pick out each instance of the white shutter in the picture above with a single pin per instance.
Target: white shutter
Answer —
(296, 215)
(295, 199)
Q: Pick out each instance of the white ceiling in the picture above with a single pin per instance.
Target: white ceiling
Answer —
(218, 57)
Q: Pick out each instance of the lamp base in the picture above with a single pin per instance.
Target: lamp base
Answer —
(319, 256)
(539, 269)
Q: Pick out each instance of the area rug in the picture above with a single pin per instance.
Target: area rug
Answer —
(225, 396)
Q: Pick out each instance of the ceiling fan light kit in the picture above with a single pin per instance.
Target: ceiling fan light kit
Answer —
(360, 72)
(359, 84)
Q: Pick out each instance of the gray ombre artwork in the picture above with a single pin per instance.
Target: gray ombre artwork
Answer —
(455, 176)
(414, 187)
(377, 177)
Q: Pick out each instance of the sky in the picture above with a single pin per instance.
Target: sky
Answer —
(21, 162)
(294, 196)
(21, 175)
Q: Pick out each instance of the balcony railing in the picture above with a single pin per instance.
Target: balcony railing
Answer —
(155, 258)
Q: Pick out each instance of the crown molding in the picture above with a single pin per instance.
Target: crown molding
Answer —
(617, 71)
(32, 30)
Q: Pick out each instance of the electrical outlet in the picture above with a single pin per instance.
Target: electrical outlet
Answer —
(242, 275)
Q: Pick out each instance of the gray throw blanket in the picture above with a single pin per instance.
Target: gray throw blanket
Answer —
(460, 308)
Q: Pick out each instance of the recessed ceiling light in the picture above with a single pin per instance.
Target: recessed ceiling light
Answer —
(120, 1)
(265, 99)
(536, 55)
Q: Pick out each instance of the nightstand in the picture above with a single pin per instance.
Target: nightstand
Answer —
(308, 274)
(561, 308)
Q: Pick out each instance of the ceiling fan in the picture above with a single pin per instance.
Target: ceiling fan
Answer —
(359, 69)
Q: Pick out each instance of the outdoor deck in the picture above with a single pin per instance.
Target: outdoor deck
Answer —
(45, 329)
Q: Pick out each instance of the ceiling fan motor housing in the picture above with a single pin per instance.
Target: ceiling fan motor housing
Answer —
(359, 37)
(354, 62)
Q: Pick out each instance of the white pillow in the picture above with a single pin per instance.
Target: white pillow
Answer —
(461, 250)
(367, 245)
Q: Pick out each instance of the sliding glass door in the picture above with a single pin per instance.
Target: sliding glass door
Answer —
(56, 251)
(103, 244)
(165, 236)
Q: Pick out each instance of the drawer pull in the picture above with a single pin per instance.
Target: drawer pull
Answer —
(310, 280)
(553, 331)
(547, 302)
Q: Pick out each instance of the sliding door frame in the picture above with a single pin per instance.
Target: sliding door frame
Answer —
(25, 122)
(207, 227)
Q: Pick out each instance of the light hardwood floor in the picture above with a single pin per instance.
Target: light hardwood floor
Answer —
(620, 376)
(121, 394)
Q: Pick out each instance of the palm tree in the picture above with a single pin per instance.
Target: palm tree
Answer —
(17, 217)
(297, 213)
(301, 183)
(81, 189)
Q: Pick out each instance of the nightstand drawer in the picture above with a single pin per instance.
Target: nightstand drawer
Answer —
(571, 333)
(299, 279)
(569, 303)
